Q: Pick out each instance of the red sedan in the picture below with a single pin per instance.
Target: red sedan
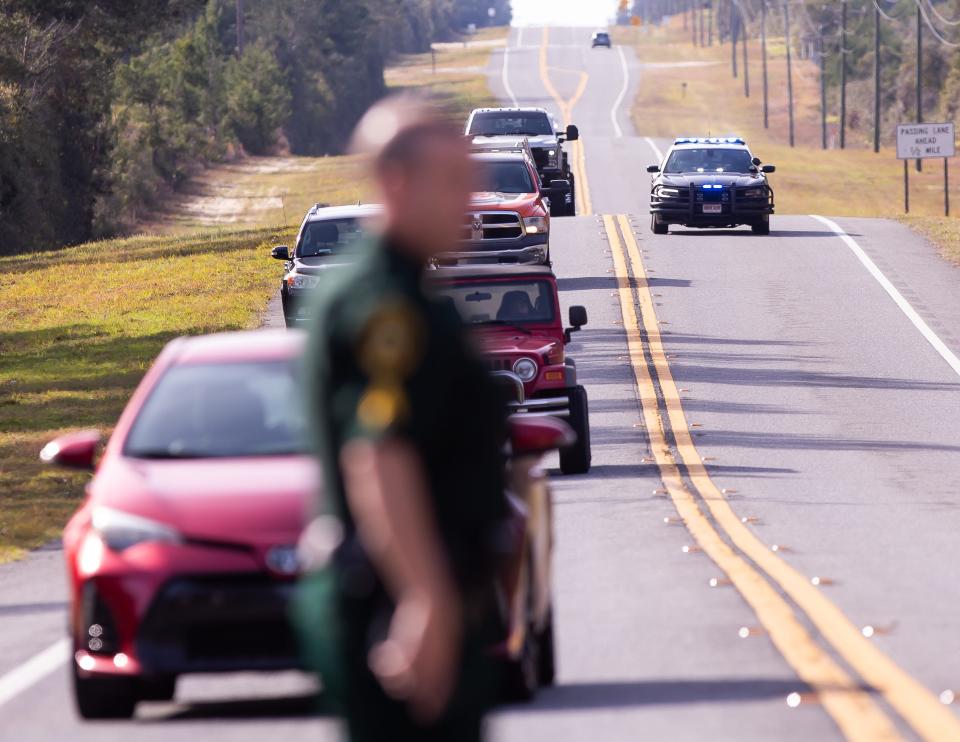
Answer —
(183, 559)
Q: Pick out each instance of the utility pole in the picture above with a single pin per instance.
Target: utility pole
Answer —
(876, 79)
(710, 24)
(786, 24)
(823, 93)
(843, 74)
(763, 47)
(742, 23)
(240, 29)
(733, 38)
(693, 20)
(700, 10)
(919, 76)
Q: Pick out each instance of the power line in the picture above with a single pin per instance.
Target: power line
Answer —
(933, 30)
(944, 21)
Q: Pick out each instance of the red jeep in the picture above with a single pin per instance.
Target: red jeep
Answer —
(515, 313)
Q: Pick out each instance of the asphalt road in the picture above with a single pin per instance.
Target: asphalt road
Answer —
(810, 396)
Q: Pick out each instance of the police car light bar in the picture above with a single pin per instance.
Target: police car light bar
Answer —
(709, 140)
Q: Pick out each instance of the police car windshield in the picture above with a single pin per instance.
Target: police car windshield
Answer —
(504, 177)
(328, 236)
(500, 302)
(222, 409)
(708, 160)
(505, 124)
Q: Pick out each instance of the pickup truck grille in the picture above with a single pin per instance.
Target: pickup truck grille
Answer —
(491, 225)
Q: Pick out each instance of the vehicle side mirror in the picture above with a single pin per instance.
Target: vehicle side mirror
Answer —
(533, 436)
(756, 161)
(653, 168)
(73, 450)
(768, 169)
(280, 252)
(578, 318)
(573, 133)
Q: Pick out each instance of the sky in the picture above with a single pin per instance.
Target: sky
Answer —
(563, 12)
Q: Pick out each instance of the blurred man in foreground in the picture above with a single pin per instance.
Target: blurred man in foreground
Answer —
(410, 433)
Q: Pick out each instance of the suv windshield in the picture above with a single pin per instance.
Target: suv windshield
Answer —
(709, 160)
(221, 409)
(500, 302)
(328, 236)
(504, 177)
(499, 123)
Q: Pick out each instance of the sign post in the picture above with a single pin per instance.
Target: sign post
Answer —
(922, 142)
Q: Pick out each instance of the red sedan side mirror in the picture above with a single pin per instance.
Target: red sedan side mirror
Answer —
(73, 450)
(533, 436)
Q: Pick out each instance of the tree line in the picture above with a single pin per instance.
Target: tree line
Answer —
(881, 62)
(108, 105)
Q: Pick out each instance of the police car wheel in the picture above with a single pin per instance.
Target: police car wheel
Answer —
(761, 227)
(104, 698)
(576, 459)
(658, 227)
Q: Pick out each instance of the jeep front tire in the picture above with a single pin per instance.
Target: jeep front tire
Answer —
(576, 459)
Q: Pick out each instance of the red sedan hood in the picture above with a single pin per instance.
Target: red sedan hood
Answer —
(248, 501)
(507, 340)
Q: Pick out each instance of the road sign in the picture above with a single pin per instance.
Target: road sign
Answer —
(922, 141)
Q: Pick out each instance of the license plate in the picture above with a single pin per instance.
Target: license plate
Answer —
(713, 208)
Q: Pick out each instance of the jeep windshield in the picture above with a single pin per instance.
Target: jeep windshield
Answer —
(513, 123)
(329, 236)
(504, 177)
(709, 160)
(500, 302)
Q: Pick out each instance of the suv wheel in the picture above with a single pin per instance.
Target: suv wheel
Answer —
(104, 698)
(761, 227)
(576, 459)
(658, 227)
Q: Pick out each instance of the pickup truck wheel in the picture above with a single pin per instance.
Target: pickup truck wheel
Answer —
(658, 227)
(761, 227)
(576, 459)
(104, 698)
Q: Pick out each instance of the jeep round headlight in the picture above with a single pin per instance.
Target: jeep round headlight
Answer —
(526, 369)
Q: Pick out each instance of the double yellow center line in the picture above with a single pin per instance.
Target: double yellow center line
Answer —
(577, 154)
(775, 591)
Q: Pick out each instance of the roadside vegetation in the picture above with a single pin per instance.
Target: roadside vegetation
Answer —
(689, 90)
(81, 325)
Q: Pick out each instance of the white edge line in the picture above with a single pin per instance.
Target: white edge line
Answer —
(905, 306)
(506, 75)
(623, 93)
(655, 148)
(33, 670)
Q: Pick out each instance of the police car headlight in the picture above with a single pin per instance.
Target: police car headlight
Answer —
(526, 369)
(535, 224)
(667, 192)
(297, 281)
(755, 193)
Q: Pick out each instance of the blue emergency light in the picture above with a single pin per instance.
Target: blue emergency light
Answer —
(712, 186)
(709, 140)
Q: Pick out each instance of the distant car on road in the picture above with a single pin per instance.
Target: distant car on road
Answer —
(710, 182)
(601, 38)
(514, 312)
(327, 238)
(546, 140)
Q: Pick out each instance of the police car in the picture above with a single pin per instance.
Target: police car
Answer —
(710, 182)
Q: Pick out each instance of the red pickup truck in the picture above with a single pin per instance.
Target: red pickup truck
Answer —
(514, 312)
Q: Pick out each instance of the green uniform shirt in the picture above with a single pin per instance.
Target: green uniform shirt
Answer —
(385, 361)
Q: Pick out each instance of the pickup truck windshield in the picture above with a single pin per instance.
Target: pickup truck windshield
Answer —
(507, 123)
(221, 409)
(500, 302)
(504, 177)
(328, 236)
(708, 160)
